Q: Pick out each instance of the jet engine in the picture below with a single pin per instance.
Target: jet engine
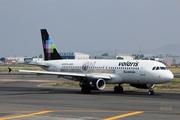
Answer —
(100, 84)
(93, 84)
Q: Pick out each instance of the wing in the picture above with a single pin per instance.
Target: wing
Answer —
(104, 76)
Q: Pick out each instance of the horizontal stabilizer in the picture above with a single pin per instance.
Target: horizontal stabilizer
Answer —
(37, 64)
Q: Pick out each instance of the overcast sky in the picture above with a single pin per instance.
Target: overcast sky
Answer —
(88, 26)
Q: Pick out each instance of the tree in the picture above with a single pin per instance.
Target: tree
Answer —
(105, 54)
(136, 56)
(119, 58)
(141, 56)
(40, 56)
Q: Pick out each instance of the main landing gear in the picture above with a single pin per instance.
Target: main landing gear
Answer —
(85, 90)
(118, 89)
(85, 87)
(150, 87)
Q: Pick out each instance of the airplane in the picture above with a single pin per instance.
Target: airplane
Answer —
(94, 74)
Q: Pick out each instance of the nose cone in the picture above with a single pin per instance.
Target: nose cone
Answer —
(169, 76)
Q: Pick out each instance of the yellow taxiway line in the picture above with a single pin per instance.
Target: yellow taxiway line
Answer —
(48, 111)
(25, 115)
(124, 115)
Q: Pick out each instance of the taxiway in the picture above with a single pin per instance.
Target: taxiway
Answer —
(22, 97)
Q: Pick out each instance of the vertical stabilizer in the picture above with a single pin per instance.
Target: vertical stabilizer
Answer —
(50, 52)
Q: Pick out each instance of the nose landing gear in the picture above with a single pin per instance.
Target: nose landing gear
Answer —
(150, 87)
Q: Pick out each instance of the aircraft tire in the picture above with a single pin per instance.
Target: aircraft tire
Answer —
(118, 89)
(151, 92)
(85, 90)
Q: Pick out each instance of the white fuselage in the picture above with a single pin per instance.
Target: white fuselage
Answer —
(121, 71)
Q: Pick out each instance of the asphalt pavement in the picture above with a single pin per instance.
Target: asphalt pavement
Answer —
(30, 97)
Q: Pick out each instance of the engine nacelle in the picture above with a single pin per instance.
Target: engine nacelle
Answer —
(93, 84)
(142, 86)
(100, 84)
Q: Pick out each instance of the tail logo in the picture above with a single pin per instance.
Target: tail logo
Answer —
(49, 47)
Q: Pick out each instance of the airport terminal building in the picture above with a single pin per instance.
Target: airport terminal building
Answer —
(64, 55)
(74, 55)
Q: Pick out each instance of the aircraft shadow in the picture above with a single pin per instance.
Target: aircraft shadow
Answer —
(35, 90)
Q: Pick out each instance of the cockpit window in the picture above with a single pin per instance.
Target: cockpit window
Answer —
(153, 68)
(157, 68)
(163, 68)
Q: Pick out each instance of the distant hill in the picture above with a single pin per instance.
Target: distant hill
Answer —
(169, 48)
(166, 49)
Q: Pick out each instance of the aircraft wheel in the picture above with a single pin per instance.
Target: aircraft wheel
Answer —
(151, 92)
(85, 90)
(118, 89)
